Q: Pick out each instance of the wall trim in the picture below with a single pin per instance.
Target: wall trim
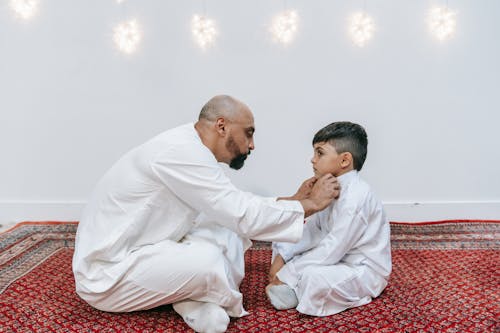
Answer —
(40, 210)
(442, 210)
(37, 210)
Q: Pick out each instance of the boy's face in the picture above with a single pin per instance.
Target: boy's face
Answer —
(327, 160)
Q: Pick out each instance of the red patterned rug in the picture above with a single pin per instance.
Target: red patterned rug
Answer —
(446, 278)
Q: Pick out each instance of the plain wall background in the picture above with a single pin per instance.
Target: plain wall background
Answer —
(71, 104)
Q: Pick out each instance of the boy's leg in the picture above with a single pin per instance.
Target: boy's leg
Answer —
(276, 264)
(326, 290)
(281, 296)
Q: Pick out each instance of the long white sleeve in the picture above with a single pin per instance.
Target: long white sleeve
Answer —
(200, 182)
(311, 236)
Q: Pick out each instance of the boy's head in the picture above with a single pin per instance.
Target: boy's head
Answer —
(338, 148)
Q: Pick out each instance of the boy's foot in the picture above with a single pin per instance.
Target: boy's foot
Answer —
(202, 316)
(282, 297)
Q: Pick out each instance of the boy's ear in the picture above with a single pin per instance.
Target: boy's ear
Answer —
(346, 159)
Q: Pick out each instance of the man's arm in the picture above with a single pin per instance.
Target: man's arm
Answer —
(196, 179)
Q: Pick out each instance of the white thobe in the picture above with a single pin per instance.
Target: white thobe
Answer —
(154, 230)
(344, 257)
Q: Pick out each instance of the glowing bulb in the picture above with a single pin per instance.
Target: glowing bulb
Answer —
(284, 26)
(361, 28)
(127, 36)
(24, 9)
(442, 22)
(204, 31)
(119, 1)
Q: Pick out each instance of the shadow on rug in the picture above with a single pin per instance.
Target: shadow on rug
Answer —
(445, 279)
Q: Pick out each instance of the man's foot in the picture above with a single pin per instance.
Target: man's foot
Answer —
(203, 317)
(282, 297)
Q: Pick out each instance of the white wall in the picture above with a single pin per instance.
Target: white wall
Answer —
(70, 104)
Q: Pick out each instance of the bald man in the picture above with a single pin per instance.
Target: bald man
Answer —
(165, 225)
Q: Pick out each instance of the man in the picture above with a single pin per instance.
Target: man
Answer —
(156, 229)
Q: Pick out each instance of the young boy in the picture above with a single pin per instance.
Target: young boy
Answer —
(344, 257)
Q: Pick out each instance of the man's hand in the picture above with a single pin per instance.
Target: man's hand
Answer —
(322, 194)
(305, 189)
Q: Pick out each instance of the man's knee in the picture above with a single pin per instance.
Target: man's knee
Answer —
(207, 261)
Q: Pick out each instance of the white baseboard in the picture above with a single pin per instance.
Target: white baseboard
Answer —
(18, 211)
(442, 210)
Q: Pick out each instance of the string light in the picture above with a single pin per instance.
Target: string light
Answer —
(127, 36)
(442, 22)
(204, 31)
(284, 26)
(24, 9)
(361, 28)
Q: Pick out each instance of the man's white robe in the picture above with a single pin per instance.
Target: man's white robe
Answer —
(344, 257)
(154, 230)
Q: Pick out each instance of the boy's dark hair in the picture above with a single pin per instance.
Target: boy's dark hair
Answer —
(345, 137)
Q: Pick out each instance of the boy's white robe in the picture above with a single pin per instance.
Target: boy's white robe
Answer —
(344, 257)
(154, 230)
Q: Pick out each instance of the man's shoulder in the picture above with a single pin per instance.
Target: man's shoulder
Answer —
(180, 145)
(185, 130)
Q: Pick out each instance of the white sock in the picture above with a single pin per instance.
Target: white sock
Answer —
(202, 316)
(282, 297)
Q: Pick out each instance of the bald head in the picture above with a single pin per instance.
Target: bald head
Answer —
(226, 127)
(223, 106)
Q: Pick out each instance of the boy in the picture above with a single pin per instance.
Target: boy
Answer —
(344, 257)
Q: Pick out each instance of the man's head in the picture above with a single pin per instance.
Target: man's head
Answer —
(338, 148)
(226, 127)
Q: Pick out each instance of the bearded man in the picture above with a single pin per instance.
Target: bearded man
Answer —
(165, 225)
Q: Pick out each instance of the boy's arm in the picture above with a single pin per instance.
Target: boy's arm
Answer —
(331, 249)
(311, 236)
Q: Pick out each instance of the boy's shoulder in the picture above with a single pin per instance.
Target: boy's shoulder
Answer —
(359, 194)
(358, 187)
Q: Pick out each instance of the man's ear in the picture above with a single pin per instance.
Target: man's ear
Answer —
(346, 159)
(220, 126)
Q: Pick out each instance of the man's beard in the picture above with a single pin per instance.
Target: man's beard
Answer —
(238, 161)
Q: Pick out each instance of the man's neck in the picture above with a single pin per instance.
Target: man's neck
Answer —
(206, 137)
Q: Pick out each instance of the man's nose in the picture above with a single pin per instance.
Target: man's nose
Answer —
(251, 145)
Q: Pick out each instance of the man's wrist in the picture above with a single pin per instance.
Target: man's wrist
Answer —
(309, 206)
